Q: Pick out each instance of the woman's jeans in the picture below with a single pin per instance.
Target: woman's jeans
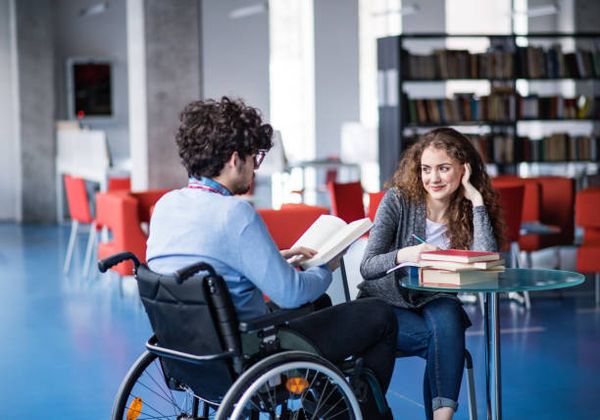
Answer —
(436, 332)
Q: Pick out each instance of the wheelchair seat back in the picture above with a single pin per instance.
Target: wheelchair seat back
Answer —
(195, 317)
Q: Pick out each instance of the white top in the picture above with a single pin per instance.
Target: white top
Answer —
(435, 234)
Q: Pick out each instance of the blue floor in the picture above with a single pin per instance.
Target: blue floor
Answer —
(67, 341)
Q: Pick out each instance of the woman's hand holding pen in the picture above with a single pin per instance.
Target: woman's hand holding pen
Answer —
(471, 193)
(413, 253)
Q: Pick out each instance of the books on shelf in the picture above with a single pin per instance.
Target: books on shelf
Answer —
(500, 106)
(531, 62)
(330, 236)
(459, 255)
(503, 148)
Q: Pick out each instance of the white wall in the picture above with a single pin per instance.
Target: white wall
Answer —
(337, 91)
(97, 36)
(235, 53)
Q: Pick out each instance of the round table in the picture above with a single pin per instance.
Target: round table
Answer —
(511, 280)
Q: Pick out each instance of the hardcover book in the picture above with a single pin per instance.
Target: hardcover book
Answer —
(434, 277)
(459, 255)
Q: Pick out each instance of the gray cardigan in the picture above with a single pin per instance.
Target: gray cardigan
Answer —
(396, 220)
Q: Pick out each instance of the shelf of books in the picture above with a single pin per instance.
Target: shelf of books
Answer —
(503, 114)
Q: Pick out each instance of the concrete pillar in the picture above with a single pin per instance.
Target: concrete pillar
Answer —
(10, 172)
(35, 63)
(164, 75)
(337, 91)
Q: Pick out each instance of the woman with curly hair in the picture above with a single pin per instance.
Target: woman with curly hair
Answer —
(440, 192)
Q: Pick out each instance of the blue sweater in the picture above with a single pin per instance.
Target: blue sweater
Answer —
(191, 225)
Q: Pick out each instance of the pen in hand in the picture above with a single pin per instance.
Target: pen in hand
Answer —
(418, 238)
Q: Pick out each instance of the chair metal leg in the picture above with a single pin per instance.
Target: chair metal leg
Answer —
(529, 259)
(471, 386)
(524, 298)
(480, 297)
(558, 263)
(345, 280)
(597, 292)
(74, 227)
(91, 246)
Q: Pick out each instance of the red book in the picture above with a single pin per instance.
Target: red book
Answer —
(459, 255)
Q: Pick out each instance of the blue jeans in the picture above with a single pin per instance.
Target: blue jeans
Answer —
(436, 332)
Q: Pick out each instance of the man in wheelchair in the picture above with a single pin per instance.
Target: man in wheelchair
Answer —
(221, 144)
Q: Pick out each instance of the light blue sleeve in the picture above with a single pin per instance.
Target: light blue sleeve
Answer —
(262, 264)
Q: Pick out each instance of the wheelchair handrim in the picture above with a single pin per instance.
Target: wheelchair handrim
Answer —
(333, 376)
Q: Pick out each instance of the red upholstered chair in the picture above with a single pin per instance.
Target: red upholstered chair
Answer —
(511, 195)
(79, 210)
(119, 184)
(374, 200)
(557, 208)
(587, 204)
(123, 214)
(290, 222)
(347, 200)
(511, 201)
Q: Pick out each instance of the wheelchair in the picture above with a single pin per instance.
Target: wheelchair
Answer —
(202, 363)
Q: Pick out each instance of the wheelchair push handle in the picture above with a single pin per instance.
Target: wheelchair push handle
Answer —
(106, 263)
(184, 273)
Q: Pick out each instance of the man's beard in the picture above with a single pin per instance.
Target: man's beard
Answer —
(243, 187)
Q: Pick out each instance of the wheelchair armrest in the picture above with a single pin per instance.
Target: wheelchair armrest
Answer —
(275, 319)
(153, 347)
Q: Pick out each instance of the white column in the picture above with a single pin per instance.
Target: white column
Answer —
(164, 75)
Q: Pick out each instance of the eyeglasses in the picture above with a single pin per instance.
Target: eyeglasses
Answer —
(259, 157)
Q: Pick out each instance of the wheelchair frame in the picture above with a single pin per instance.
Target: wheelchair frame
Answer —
(245, 396)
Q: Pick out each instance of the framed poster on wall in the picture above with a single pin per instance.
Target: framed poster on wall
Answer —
(89, 88)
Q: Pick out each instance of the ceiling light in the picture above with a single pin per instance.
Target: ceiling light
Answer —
(94, 9)
(539, 11)
(254, 9)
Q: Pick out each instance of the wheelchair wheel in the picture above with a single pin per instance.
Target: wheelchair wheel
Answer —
(143, 394)
(290, 385)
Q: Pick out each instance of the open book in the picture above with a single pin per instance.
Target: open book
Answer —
(329, 236)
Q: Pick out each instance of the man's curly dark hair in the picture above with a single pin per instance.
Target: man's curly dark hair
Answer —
(211, 131)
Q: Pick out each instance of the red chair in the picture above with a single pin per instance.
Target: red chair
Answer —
(511, 195)
(587, 204)
(556, 208)
(119, 184)
(124, 214)
(511, 201)
(79, 210)
(290, 222)
(347, 200)
(374, 200)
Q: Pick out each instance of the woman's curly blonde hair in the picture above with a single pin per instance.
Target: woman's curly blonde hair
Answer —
(407, 178)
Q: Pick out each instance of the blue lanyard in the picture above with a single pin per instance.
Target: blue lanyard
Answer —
(207, 184)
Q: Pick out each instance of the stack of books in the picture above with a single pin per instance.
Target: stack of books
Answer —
(455, 267)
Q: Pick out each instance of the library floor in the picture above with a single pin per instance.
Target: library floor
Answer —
(67, 341)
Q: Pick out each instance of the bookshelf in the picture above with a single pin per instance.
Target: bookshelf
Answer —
(503, 114)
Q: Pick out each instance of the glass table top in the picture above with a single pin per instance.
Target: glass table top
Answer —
(511, 280)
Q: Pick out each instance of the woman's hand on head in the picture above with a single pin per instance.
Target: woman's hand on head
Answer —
(470, 191)
(413, 253)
